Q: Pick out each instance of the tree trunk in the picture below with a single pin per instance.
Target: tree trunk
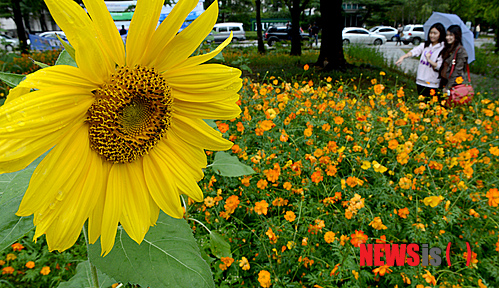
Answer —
(295, 28)
(261, 47)
(21, 33)
(497, 39)
(43, 24)
(331, 54)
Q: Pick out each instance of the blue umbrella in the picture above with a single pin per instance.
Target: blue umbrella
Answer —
(452, 19)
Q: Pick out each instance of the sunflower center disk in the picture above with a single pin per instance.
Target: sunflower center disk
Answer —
(130, 115)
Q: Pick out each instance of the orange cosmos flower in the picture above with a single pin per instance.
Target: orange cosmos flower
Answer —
(266, 125)
(403, 212)
(306, 67)
(358, 238)
(308, 132)
(231, 203)
(279, 202)
(329, 237)
(223, 127)
(290, 216)
(30, 265)
(338, 120)
(377, 224)
(317, 176)
(8, 270)
(271, 235)
(430, 279)
(385, 269)
(262, 184)
(378, 89)
(493, 195)
(264, 275)
(459, 80)
(261, 207)
(17, 247)
(45, 270)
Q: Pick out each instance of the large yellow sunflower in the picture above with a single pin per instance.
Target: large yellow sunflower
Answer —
(125, 127)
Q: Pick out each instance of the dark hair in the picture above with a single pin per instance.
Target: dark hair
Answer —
(458, 35)
(441, 37)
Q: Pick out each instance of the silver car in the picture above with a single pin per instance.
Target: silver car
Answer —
(413, 34)
(361, 36)
(387, 31)
(8, 43)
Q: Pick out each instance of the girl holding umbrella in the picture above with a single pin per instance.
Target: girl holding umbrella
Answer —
(453, 47)
(430, 60)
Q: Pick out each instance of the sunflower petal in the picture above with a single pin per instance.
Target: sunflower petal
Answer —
(223, 110)
(167, 30)
(95, 217)
(55, 175)
(105, 27)
(17, 154)
(135, 217)
(181, 160)
(58, 75)
(43, 112)
(199, 59)
(113, 206)
(161, 184)
(144, 22)
(81, 33)
(76, 206)
(204, 78)
(196, 132)
(187, 41)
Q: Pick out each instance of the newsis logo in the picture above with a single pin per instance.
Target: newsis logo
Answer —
(400, 254)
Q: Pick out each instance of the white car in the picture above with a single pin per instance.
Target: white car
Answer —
(8, 43)
(387, 31)
(221, 31)
(361, 36)
(52, 34)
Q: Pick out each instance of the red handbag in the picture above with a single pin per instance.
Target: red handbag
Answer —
(460, 94)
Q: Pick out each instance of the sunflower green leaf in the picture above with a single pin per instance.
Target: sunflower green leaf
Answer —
(12, 188)
(230, 166)
(167, 257)
(219, 247)
(83, 278)
(11, 79)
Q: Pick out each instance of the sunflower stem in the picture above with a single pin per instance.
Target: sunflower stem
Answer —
(93, 269)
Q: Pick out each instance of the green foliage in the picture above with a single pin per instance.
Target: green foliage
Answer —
(219, 247)
(12, 188)
(229, 166)
(167, 257)
(12, 80)
(83, 278)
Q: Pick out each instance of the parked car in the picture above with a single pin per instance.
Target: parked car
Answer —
(361, 36)
(221, 31)
(280, 33)
(413, 34)
(8, 43)
(387, 31)
(52, 34)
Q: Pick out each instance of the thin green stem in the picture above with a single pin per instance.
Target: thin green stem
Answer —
(93, 269)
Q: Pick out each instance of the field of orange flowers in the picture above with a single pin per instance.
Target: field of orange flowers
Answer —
(338, 165)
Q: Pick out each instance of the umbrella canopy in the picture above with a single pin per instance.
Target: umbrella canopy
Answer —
(452, 19)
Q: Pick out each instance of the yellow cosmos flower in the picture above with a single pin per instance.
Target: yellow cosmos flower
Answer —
(433, 201)
(125, 127)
